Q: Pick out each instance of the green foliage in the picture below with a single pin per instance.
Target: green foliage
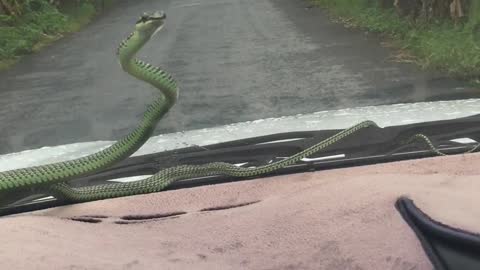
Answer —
(46, 20)
(17, 40)
(437, 45)
(41, 22)
(6, 20)
(474, 14)
(80, 13)
(18, 35)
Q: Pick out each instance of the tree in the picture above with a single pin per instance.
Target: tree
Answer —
(18, 7)
(7, 7)
(10, 7)
(430, 9)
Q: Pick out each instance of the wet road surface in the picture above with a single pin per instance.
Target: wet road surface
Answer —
(235, 60)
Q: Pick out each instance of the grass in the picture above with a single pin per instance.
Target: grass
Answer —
(439, 45)
(41, 25)
(79, 14)
(82, 13)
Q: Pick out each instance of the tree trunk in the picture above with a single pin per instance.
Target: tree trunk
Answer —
(12, 7)
(457, 10)
(386, 3)
(410, 8)
(428, 9)
(7, 8)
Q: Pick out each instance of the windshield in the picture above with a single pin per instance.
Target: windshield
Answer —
(77, 76)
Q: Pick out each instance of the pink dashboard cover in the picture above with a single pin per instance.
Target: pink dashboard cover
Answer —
(336, 219)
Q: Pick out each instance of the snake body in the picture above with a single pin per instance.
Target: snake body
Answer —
(165, 177)
(53, 177)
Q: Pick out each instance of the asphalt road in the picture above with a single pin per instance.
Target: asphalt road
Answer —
(235, 60)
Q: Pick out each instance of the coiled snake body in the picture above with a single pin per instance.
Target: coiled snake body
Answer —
(54, 177)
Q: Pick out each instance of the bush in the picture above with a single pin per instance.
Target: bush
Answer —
(444, 44)
(39, 19)
(47, 21)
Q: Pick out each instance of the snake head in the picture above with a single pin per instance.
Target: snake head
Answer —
(150, 24)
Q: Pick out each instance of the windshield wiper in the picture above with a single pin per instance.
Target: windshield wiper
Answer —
(369, 146)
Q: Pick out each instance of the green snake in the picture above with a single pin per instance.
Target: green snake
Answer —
(54, 177)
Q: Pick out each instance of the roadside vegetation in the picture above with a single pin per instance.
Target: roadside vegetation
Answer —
(436, 34)
(28, 25)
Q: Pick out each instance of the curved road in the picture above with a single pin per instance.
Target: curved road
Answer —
(235, 60)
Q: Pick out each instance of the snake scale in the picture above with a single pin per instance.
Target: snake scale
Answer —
(53, 177)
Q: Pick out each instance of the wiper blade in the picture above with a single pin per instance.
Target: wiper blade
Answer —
(368, 146)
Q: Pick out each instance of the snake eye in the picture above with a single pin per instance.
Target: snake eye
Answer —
(143, 18)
